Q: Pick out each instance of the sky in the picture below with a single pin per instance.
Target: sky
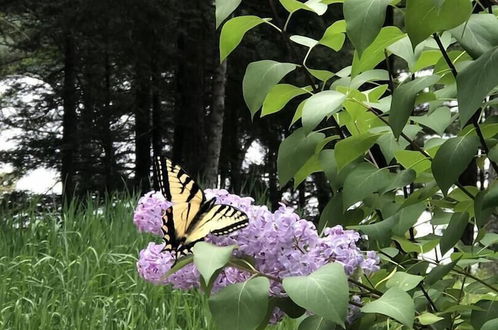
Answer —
(40, 180)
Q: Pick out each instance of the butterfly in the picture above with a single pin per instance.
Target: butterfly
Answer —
(191, 217)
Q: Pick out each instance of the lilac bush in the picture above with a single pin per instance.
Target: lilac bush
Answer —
(281, 244)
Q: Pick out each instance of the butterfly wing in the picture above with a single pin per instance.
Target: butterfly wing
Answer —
(175, 184)
(187, 198)
(218, 220)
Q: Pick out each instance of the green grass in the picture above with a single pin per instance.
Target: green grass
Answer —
(80, 273)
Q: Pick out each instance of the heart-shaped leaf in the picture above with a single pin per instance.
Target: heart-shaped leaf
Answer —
(458, 152)
(234, 30)
(478, 35)
(224, 8)
(241, 306)
(209, 258)
(294, 152)
(475, 82)
(454, 231)
(324, 292)
(259, 78)
(394, 303)
(278, 96)
(319, 106)
(404, 281)
(364, 20)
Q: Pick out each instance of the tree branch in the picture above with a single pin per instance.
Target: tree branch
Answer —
(475, 118)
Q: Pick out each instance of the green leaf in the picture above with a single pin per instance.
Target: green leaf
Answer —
(259, 78)
(454, 231)
(403, 101)
(478, 35)
(379, 231)
(481, 214)
(319, 106)
(234, 30)
(489, 239)
(311, 166)
(374, 53)
(459, 152)
(334, 36)
(489, 312)
(426, 59)
(294, 152)
(420, 246)
(429, 318)
(241, 306)
(293, 5)
(225, 8)
(407, 217)
(493, 154)
(329, 166)
(404, 281)
(353, 147)
(315, 6)
(396, 304)
(304, 41)
(490, 325)
(209, 258)
(315, 322)
(438, 120)
(364, 180)
(322, 75)
(278, 96)
(425, 17)
(364, 19)
(370, 75)
(324, 292)
(490, 199)
(400, 179)
(475, 82)
(413, 160)
(439, 272)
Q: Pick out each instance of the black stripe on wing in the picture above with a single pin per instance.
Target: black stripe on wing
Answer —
(168, 229)
(161, 174)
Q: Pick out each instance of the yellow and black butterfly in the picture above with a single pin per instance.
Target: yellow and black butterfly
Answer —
(191, 217)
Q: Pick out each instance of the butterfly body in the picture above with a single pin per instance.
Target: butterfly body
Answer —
(192, 217)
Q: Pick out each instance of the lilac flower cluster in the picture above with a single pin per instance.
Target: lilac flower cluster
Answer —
(281, 244)
(147, 215)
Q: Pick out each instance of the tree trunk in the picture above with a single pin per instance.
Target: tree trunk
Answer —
(190, 143)
(69, 134)
(106, 128)
(142, 129)
(216, 126)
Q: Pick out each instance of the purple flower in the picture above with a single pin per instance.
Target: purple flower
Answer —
(280, 243)
(153, 264)
(148, 214)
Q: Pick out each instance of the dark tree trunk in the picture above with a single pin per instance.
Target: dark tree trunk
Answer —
(69, 135)
(216, 125)
(106, 128)
(323, 191)
(193, 41)
(273, 144)
(142, 129)
(157, 120)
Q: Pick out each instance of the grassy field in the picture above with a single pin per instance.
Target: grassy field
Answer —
(80, 273)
